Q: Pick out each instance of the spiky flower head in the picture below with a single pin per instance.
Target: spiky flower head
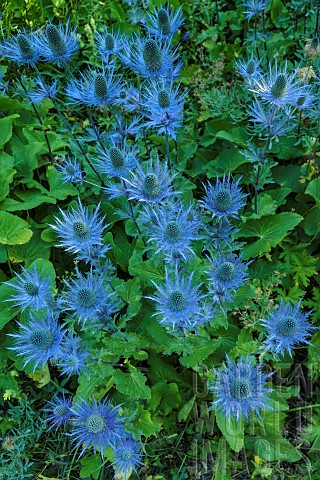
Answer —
(240, 389)
(38, 341)
(72, 356)
(71, 171)
(97, 424)
(220, 232)
(287, 327)
(79, 230)
(249, 69)
(93, 255)
(224, 199)
(151, 184)
(279, 87)
(254, 7)
(108, 43)
(58, 44)
(226, 275)
(150, 57)
(269, 121)
(43, 91)
(95, 88)
(31, 291)
(22, 48)
(127, 457)
(312, 48)
(58, 411)
(163, 23)
(179, 304)
(86, 295)
(116, 160)
(173, 229)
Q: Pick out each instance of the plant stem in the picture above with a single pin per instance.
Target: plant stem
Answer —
(317, 20)
(256, 185)
(145, 141)
(303, 408)
(168, 151)
(132, 214)
(217, 12)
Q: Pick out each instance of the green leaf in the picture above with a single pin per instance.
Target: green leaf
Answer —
(6, 174)
(164, 397)
(13, 230)
(270, 230)
(146, 271)
(313, 189)
(91, 467)
(58, 189)
(26, 159)
(130, 291)
(132, 384)
(144, 423)
(273, 449)
(30, 199)
(232, 430)
(186, 409)
(29, 252)
(6, 129)
(312, 221)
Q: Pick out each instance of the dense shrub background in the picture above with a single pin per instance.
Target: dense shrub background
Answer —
(160, 378)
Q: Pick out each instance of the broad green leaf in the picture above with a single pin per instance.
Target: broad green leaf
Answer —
(130, 291)
(91, 467)
(132, 383)
(144, 423)
(232, 430)
(31, 251)
(6, 129)
(13, 229)
(30, 199)
(26, 159)
(58, 189)
(41, 377)
(145, 270)
(312, 221)
(164, 397)
(6, 174)
(186, 409)
(273, 448)
(270, 230)
(313, 189)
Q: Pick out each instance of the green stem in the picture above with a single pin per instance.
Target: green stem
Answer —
(168, 151)
(303, 408)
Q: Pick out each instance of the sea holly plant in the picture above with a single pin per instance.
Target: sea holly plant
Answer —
(144, 250)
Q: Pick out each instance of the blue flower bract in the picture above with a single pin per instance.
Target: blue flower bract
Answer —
(163, 23)
(58, 411)
(23, 49)
(127, 454)
(240, 389)
(224, 199)
(72, 356)
(58, 44)
(227, 274)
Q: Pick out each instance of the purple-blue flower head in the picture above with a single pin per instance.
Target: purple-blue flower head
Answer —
(58, 44)
(43, 90)
(58, 411)
(227, 272)
(127, 457)
(93, 255)
(71, 171)
(150, 57)
(287, 327)
(249, 69)
(95, 88)
(254, 7)
(72, 356)
(224, 199)
(163, 23)
(22, 48)
(86, 295)
(79, 230)
(240, 389)
(30, 290)
(179, 304)
(271, 121)
(38, 341)
(97, 424)
(116, 160)
(108, 43)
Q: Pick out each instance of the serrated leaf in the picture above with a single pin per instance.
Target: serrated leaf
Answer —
(164, 397)
(132, 383)
(145, 424)
(13, 229)
(6, 129)
(232, 430)
(58, 189)
(313, 189)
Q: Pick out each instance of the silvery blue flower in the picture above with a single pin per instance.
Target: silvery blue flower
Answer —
(93, 255)
(79, 229)
(97, 424)
(226, 274)
(163, 106)
(254, 7)
(95, 88)
(270, 120)
(127, 457)
(179, 303)
(72, 356)
(249, 69)
(58, 411)
(305, 101)
(254, 154)
(22, 48)
(224, 199)
(38, 341)
(150, 58)
(173, 229)
(136, 15)
(163, 23)
(44, 90)
(131, 99)
(71, 171)
(278, 87)
(58, 44)
(240, 389)
(287, 327)
(116, 160)
(108, 43)
(30, 290)
(86, 295)
(151, 184)
(221, 231)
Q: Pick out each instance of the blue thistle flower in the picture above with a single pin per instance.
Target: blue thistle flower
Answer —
(93, 255)
(59, 411)
(278, 87)
(97, 424)
(163, 23)
(151, 184)
(305, 101)
(172, 229)
(131, 99)
(163, 107)
(86, 296)
(272, 121)
(179, 304)
(23, 49)
(44, 91)
(39, 341)
(71, 171)
(287, 327)
(249, 69)
(58, 44)
(224, 199)
(108, 43)
(221, 231)
(95, 88)
(150, 58)
(72, 356)
(79, 230)
(127, 457)
(254, 7)
(116, 161)
(226, 274)
(240, 389)
(31, 291)
(135, 15)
